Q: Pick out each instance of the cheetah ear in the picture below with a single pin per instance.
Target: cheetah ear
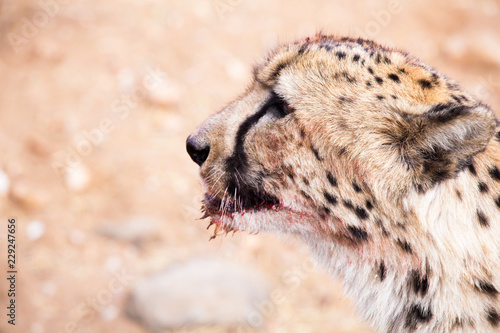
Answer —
(442, 141)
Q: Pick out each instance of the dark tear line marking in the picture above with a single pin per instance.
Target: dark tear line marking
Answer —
(239, 157)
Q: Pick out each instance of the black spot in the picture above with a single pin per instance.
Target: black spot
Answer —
(472, 169)
(380, 97)
(379, 80)
(288, 170)
(420, 189)
(358, 233)
(418, 282)
(497, 201)
(425, 84)
(458, 322)
(394, 77)
(493, 317)
(378, 58)
(370, 70)
(302, 49)
(456, 98)
(368, 84)
(486, 287)
(459, 194)
(382, 228)
(356, 187)
(326, 210)
(306, 181)
(348, 77)
(348, 204)
(330, 198)
(483, 188)
(402, 70)
(361, 213)
(332, 180)
(369, 204)
(463, 164)
(404, 246)
(497, 136)
(483, 220)
(278, 70)
(356, 57)
(416, 315)
(316, 153)
(327, 47)
(340, 55)
(381, 271)
(394, 97)
(305, 195)
(342, 151)
(495, 173)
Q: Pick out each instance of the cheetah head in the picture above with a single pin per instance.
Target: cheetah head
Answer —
(329, 128)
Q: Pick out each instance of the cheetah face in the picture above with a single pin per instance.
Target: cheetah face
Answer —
(327, 128)
(243, 152)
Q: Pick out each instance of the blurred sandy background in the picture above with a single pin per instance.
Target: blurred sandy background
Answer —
(96, 101)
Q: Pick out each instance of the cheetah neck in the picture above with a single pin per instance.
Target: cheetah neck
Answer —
(444, 282)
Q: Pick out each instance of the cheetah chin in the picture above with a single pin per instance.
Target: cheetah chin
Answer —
(387, 169)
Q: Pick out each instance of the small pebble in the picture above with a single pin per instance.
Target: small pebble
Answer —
(26, 196)
(35, 229)
(109, 313)
(164, 92)
(203, 291)
(4, 183)
(133, 229)
(77, 178)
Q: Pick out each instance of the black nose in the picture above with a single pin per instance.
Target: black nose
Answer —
(198, 151)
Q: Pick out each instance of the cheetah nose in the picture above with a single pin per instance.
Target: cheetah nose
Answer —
(197, 150)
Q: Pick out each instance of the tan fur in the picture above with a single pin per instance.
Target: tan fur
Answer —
(388, 169)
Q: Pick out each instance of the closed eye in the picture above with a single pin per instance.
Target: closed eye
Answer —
(277, 106)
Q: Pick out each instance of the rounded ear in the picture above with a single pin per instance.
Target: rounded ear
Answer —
(440, 143)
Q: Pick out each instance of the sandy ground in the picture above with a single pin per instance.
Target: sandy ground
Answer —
(96, 100)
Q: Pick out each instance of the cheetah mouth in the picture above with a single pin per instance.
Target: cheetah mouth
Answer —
(212, 206)
(223, 211)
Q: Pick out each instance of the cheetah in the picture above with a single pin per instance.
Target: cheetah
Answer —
(387, 169)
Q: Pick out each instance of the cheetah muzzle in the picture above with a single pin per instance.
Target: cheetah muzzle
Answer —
(386, 168)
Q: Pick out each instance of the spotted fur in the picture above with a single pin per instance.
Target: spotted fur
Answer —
(386, 168)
